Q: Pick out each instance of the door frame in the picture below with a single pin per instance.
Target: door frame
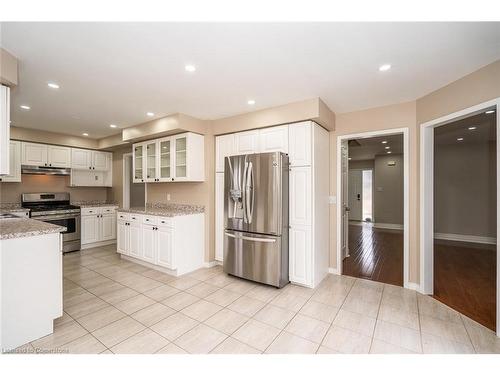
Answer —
(406, 196)
(427, 195)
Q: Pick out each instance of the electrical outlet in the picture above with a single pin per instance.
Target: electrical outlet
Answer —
(332, 199)
(168, 196)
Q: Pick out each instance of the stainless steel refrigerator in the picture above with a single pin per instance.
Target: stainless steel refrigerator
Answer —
(256, 217)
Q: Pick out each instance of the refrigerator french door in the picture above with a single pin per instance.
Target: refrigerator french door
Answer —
(256, 217)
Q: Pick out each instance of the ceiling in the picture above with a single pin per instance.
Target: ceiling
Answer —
(113, 73)
(484, 132)
(368, 148)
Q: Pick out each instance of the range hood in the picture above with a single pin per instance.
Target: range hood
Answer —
(35, 169)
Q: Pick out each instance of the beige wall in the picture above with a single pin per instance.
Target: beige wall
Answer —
(388, 189)
(465, 189)
(8, 68)
(116, 192)
(11, 191)
(41, 136)
(362, 164)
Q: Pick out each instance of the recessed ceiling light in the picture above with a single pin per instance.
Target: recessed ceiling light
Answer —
(190, 68)
(389, 152)
(384, 142)
(113, 126)
(25, 107)
(85, 134)
(53, 85)
(387, 147)
(490, 111)
(385, 67)
(472, 128)
(251, 102)
(150, 114)
(460, 139)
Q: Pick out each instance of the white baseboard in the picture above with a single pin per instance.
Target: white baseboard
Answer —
(465, 238)
(211, 264)
(388, 226)
(334, 271)
(412, 286)
(97, 244)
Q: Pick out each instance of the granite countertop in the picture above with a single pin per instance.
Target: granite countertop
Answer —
(20, 227)
(12, 207)
(88, 204)
(166, 209)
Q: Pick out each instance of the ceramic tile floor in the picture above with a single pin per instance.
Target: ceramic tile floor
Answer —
(116, 306)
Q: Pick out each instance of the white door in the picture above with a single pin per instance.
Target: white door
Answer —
(108, 227)
(138, 163)
(149, 243)
(165, 238)
(58, 156)
(165, 160)
(150, 161)
(181, 158)
(34, 154)
(219, 217)
(122, 242)
(274, 139)
(14, 163)
(247, 142)
(344, 151)
(100, 161)
(90, 229)
(224, 146)
(300, 196)
(355, 194)
(81, 159)
(135, 244)
(299, 144)
(300, 254)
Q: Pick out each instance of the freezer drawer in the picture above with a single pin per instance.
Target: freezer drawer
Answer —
(260, 258)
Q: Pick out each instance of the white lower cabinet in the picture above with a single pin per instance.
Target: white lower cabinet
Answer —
(175, 245)
(300, 254)
(98, 226)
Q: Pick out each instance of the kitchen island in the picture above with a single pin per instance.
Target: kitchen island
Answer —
(31, 293)
(166, 237)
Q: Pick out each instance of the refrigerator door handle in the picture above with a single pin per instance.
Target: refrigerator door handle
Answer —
(249, 193)
(244, 191)
(254, 239)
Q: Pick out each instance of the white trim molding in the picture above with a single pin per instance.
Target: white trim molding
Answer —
(406, 196)
(211, 264)
(334, 271)
(388, 226)
(465, 238)
(427, 195)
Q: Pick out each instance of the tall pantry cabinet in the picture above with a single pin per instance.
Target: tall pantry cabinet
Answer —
(307, 145)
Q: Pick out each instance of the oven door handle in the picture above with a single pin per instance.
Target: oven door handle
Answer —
(55, 217)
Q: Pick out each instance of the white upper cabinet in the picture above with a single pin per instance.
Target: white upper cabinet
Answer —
(177, 158)
(58, 156)
(224, 146)
(14, 162)
(247, 142)
(300, 144)
(100, 160)
(274, 139)
(34, 154)
(81, 159)
(4, 129)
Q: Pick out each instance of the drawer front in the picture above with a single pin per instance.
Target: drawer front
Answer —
(90, 211)
(165, 222)
(150, 219)
(135, 218)
(108, 210)
(122, 216)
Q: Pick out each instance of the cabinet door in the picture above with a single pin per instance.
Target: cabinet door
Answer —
(300, 196)
(81, 159)
(165, 159)
(108, 227)
(165, 238)
(247, 142)
(58, 156)
(138, 164)
(100, 161)
(150, 161)
(224, 146)
(135, 244)
(90, 229)
(299, 144)
(34, 154)
(14, 163)
(300, 254)
(180, 159)
(149, 243)
(122, 241)
(219, 217)
(4, 129)
(274, 139)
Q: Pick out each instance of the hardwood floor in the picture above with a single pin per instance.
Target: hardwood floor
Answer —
(375, 254)
(464, 279)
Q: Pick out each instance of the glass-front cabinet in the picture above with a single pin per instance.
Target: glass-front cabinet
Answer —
(176, 158)
(138, 163)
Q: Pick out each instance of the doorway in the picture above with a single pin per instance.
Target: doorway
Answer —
(372, 213)
(134, 194)
(459, 206)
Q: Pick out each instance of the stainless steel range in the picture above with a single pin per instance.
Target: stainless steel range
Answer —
(54, 208)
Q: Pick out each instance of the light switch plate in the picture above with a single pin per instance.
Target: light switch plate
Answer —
(332, 199)
(168, 196)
